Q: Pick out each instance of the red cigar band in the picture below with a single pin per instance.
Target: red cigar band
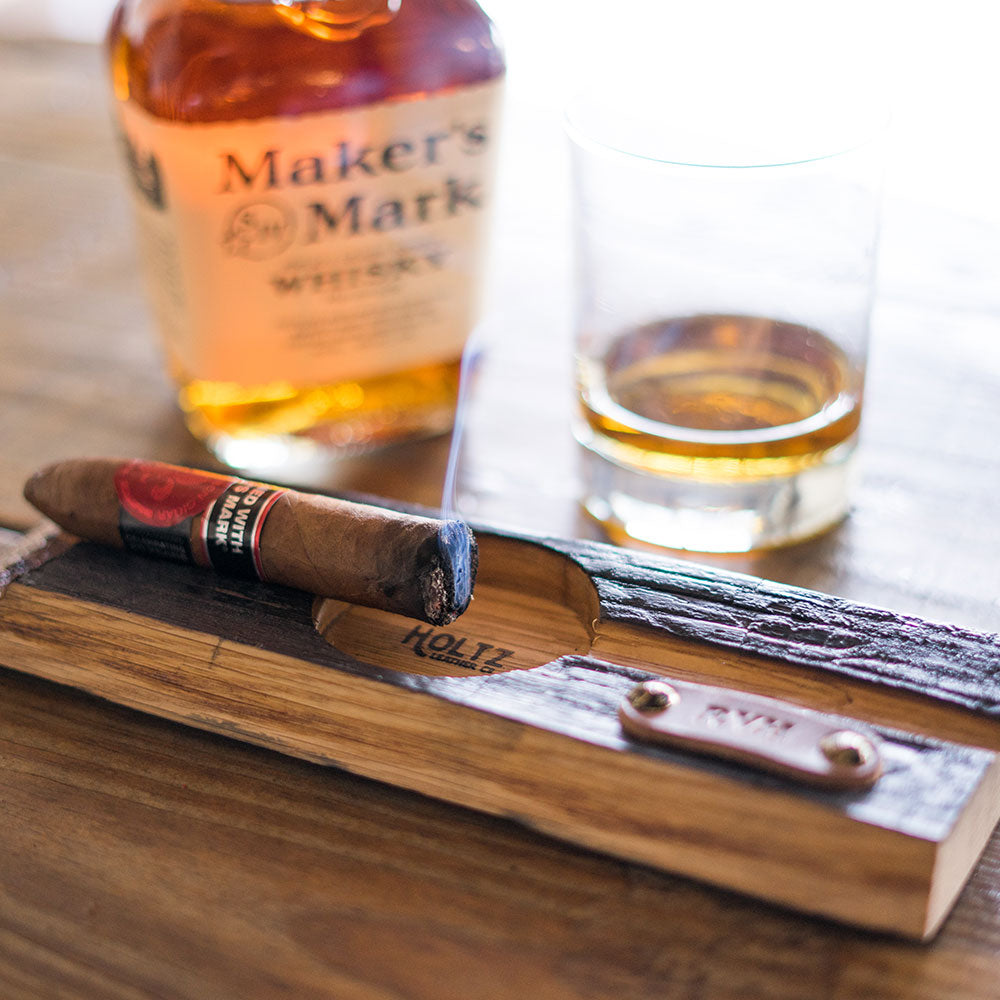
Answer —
(159, 504)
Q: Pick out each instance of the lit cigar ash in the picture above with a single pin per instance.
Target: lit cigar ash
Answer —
(409, 565)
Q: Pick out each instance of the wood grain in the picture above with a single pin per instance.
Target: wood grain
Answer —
(149, 860)
(541, 744)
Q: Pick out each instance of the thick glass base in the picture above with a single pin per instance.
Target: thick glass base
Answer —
(722, 517)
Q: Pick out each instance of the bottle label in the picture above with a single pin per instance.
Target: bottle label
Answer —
(316, 249)
(159, 504)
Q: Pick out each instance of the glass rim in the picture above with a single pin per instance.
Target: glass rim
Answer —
(871, 128)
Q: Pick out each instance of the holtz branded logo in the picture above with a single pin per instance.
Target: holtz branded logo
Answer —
(458, 650)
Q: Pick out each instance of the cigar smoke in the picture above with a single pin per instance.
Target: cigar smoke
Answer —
(455, 539)
(470, 361)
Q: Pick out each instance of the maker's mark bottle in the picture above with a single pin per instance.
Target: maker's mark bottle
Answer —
(312, 183)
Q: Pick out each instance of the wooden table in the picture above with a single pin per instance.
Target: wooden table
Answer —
(139, 859)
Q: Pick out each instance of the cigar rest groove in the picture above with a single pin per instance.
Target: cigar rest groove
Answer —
(534, 736)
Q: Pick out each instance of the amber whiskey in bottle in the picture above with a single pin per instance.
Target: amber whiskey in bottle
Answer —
(312, 183)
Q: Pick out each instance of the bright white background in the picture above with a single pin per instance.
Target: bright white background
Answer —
(936, 60)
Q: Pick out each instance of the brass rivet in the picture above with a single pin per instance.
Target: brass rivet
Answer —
(651, 697)
(846, 748)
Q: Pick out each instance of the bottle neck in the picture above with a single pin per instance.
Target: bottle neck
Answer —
(336, 20)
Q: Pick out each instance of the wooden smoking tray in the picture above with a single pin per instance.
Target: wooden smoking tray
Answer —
(513, 709)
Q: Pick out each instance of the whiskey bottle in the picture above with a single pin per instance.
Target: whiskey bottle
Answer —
(312, 183)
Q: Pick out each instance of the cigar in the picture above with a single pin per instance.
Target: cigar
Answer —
(414, 566)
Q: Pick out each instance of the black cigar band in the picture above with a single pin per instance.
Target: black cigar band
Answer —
(231, 529)
(171, 542)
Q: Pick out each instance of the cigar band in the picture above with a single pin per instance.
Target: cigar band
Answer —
(158, 505)
(231, 528)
